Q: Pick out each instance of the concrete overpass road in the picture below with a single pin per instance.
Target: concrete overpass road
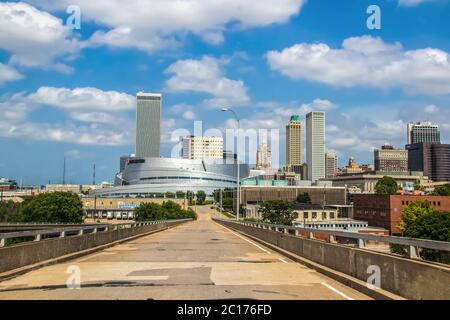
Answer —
(196, 260)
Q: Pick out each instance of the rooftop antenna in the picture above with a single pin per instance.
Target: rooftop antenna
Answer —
(93, 176)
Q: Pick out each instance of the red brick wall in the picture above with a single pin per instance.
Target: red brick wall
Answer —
(372, 208)
(398, 202)
(385, 211)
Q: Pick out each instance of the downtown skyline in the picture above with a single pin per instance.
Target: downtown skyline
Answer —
(79, 100)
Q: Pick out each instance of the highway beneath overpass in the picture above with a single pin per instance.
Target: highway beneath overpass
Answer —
(196, 260)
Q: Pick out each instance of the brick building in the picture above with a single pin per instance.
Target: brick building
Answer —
(385, 211)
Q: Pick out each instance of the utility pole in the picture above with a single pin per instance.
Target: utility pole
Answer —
(237, 160)
(221, 206)
(64, 172)
(93, 175)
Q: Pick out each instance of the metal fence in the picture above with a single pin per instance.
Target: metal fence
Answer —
(412, 244)
(75, 230)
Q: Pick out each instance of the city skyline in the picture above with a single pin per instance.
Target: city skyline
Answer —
(79, 102)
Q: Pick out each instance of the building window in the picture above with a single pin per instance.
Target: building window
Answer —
(305, 215)
(314, 215)
(331, 215)
(324, 215)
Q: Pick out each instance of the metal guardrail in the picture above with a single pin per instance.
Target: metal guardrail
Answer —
(76, 230)
(413, 244)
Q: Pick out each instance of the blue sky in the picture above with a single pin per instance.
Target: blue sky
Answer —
(71, 92)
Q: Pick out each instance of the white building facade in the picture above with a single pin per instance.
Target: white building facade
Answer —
(315, 145)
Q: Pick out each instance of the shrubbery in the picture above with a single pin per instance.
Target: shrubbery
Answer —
(167, 211)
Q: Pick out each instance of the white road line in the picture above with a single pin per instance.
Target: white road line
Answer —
(337, 291)
(238, 235)
(282, 260)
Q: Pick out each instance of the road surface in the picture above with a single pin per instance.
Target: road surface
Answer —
(196, 260)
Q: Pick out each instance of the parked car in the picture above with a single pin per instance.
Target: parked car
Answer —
(110, 215)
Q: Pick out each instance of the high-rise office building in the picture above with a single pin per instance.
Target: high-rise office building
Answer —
(148, 125)
(294, 142)
(202, 148)
(423, 132)
(315, 145)
(389, 159)
(264, 156)
(331, 166)
(433, 159)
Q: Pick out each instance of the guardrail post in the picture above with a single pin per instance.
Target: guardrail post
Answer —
(311, 235)
(2, 243)
(361, 243)
(413, 252)
(95, 230)
(286, 230)
(37, 237)
(297, 233)
(62, 234)
(80, 232)
(332, 238)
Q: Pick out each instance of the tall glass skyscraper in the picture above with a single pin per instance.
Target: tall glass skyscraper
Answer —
(315, 145)
(148, 125)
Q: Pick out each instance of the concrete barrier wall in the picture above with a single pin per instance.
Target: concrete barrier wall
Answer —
(33, 252)
(408, 278)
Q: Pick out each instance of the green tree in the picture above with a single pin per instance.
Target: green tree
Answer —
(386, 186)
(201, 197)
(227, 203)
(442, 190)
(180, 194)
(170, 195)
(277, 212)
(148, 212)
(190, 196)
(172, 210)
(168, 210)
(304, 198)
(9, 211)
(420, 220)
(54, 207)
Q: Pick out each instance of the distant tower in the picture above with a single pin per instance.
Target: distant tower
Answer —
(294, 142)
(315, 145)
(148, 125)
(264, 155)
(330, 165)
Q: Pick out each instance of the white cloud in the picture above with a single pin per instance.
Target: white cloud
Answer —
(94, 117)
(366, 61)
(8, 73)
(412, 3)
(189, 115)
(88, 98)
(431, 108)
(206, 76)
(35, 38)
(156, 24)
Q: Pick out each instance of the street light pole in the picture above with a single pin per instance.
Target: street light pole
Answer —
(238, 164)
